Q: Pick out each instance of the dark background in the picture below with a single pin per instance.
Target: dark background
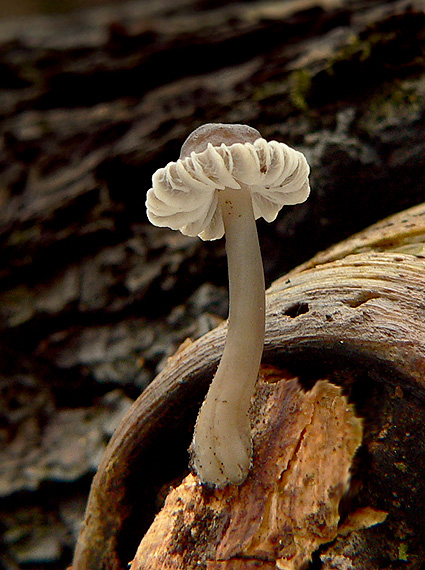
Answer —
(36, 7)
(93, 299)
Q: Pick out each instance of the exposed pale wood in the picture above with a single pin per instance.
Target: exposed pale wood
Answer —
(304, 444)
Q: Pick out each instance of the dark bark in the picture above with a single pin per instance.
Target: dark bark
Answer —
(92, 298)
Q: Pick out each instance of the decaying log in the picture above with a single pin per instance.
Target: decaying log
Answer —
(354, 316)
(304, 444)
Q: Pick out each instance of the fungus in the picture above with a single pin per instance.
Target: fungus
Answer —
(227, 176)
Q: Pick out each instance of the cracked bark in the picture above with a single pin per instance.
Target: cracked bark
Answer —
(92, 299)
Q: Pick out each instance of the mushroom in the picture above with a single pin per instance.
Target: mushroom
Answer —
(227, 176)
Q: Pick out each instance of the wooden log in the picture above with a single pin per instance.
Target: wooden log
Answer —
(304, 444)
(355, 317)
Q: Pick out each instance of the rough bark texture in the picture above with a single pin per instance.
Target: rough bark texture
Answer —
(93, 300)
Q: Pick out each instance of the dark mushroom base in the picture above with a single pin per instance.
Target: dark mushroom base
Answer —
(353, 315)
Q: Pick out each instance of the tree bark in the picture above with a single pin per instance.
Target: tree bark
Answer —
(93, 300)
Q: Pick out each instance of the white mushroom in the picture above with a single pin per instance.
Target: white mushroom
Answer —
(227, 177)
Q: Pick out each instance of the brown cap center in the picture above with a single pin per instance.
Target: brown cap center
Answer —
(217, 134)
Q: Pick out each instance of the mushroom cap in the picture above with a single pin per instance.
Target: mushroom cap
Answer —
(184, 194)
(217, 134)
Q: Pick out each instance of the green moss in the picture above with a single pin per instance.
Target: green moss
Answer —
(402, 552)
(268, 90)
(401, 466)
(356, 49)
(395, 103)
(300, 87)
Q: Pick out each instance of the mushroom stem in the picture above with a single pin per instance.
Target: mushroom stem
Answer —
(222, 438)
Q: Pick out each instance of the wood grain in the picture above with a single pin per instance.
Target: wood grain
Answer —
(363, 310)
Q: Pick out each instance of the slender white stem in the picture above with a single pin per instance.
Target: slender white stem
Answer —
(222, 438)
